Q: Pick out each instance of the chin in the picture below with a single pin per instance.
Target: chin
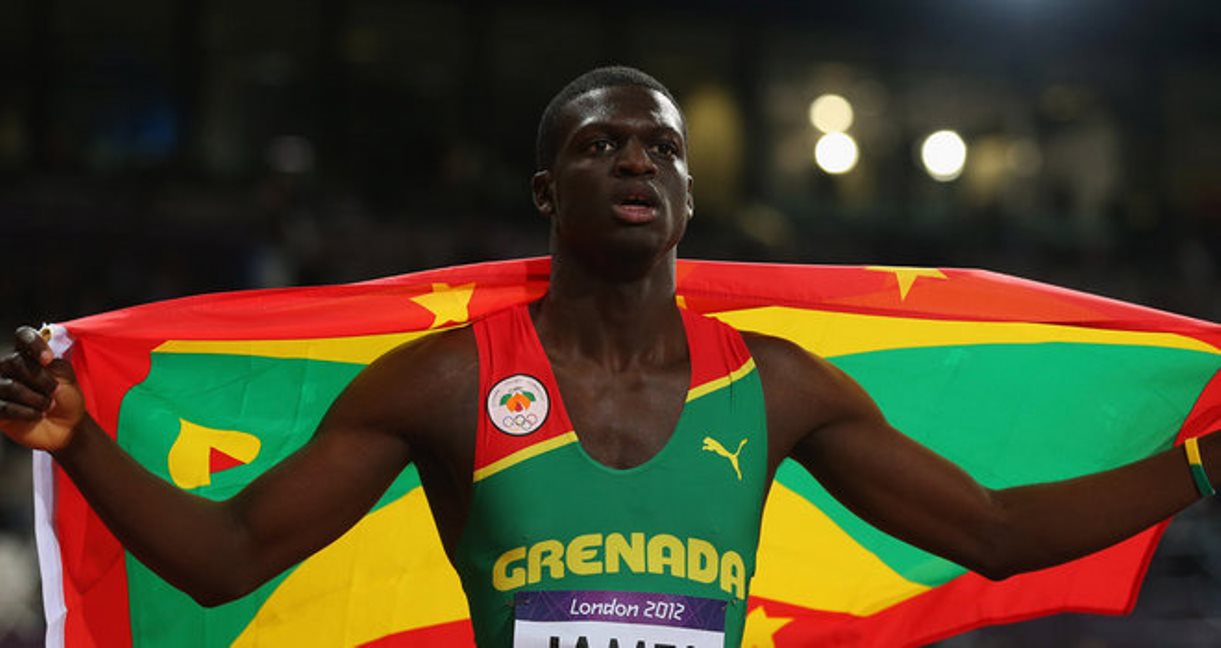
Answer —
(632, 260)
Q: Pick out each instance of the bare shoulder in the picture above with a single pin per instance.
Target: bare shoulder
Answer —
(803, 392)
(424, 389)
(448, 353)
(788, 368)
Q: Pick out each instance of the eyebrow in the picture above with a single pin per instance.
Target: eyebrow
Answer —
(656, 129)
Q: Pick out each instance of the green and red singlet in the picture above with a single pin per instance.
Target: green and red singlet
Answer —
(560, 545)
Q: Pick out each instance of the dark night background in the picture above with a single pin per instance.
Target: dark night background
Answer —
(157, 148)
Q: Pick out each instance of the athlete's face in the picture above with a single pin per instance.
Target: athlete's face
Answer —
(618, 193)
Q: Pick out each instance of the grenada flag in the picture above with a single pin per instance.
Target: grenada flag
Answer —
(1017, 382)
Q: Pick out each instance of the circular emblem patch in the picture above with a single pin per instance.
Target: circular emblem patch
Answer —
(518, 405)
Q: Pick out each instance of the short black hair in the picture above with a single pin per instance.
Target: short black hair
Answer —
(611, 76)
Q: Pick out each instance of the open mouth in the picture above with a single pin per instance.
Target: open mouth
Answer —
(637, 207)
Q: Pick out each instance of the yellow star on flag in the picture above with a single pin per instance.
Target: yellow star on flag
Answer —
(907, 276)
(760, 629)
(447, 303)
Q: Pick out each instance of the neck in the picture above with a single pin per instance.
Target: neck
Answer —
(616, 323)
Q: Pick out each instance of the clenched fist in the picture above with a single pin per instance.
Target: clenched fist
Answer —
(40, 402)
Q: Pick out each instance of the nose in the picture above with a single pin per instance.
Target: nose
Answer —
(634, 159)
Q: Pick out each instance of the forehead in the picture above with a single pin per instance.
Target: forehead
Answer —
(628, 105)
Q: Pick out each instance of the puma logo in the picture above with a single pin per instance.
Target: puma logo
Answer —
(712, 445)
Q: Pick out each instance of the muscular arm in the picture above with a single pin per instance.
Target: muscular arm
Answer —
(217, 551)
(823, 419)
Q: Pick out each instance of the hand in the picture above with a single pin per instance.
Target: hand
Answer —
(40, 401)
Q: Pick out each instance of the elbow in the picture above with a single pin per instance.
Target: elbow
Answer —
(984, 556)
(229, 572)
(994, 569)
(218, 589)
(213, 594)
(993, 551)
(212, 599)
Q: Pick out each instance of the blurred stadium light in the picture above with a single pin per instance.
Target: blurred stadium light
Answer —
(831, 113)
(836, 153)
(944, 155)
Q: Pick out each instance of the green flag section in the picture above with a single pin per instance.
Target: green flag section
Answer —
(1016, 382)
(1023, 388)
(282, 398)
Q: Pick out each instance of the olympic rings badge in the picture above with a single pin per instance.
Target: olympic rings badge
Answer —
(518, 405)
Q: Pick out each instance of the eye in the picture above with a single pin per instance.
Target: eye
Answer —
(601, 145)
(666, 149)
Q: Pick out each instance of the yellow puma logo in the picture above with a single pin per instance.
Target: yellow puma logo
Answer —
(712, 445)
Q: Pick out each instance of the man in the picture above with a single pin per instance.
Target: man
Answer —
(640, 439)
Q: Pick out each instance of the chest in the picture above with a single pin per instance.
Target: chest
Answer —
(623, 418)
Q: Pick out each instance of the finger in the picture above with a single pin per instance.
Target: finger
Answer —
(60, 368)
(19, 369)
(17, 393)
(13, 411)
(32, 346)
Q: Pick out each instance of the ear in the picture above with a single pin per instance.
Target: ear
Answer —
(544, 195)
(690, 198)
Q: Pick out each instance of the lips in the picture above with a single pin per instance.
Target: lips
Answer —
(636, 206)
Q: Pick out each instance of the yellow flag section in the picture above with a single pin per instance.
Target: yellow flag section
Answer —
(831, 334)
(387, 574)
(361, 349)
(806, 559)
(199, 451)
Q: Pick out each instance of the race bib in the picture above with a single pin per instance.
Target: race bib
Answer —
(617, 620)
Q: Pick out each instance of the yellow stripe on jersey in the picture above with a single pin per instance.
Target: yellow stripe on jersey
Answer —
(717, 383)
(524, 454)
